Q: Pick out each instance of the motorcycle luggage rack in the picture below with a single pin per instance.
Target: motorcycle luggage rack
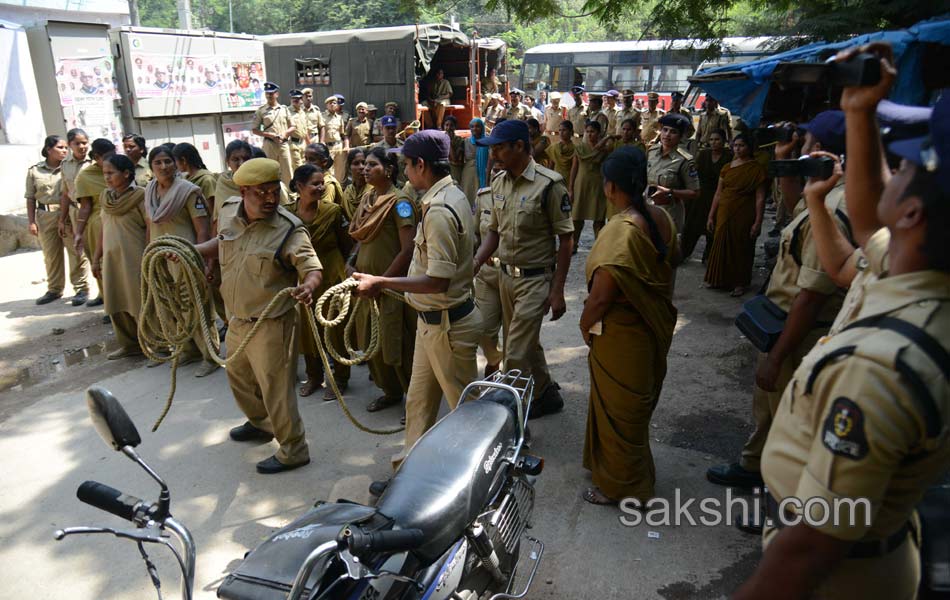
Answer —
(534, 556)
(514, 381)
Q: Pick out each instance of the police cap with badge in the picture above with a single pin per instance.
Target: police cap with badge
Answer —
(270, 87)
(432, 147)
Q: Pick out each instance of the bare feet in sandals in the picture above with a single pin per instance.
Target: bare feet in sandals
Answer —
(595, 496)
(381, 403)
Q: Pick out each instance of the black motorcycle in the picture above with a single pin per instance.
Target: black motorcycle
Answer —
(451, 523)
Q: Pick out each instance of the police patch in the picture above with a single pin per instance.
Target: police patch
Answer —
(404, 209)
(200, 204)
(566, 204)
(843, 431)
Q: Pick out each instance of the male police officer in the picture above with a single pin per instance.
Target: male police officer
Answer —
(272, 122)
(438, 286)
(315, 123)
(650, 119)
(861, 430)
(300, 137)
(577, 114)
(262, 249)
(531, 211)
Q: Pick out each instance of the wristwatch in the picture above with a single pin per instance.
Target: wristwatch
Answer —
(670, 195)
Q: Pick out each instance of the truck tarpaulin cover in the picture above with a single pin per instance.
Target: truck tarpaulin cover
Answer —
(428, 41)
(743, 87)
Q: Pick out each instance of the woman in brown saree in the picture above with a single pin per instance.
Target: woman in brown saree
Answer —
(119, 259)
(383, 229)
(561, 152)
(736, 218)
(709, 163)
(327, 226)
(355, 161)
(628, 322)
(585, 186)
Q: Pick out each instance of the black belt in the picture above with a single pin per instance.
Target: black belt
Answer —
(517, 272)
(459, 311)
(40, 206)
(863, 549)
(296, 139)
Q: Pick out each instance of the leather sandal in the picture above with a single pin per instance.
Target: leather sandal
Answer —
(381, 403)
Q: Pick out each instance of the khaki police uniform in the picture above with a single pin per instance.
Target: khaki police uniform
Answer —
(613, 120)
(797, 268)
(360, 133)
(449, 325)
(854, 424)
(143, 174)
(872, 264)
(578, 118)
(298, 140)
(553, 117)
(675, 170)
(314, 123)
(519, 113)
(487, 296)
(335, 130)
(259, 259)
(77, 270)
(276, 120)
(43, 184)
(650, 125)
(623, 115)
(528, 213)
(708, 123)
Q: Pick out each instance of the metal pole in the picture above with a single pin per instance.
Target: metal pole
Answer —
(184, 14)
(134, 13)
(230, 16)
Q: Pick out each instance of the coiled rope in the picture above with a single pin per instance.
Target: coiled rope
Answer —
(176, 302)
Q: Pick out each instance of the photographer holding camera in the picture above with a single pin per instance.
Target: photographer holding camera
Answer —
(866, 415)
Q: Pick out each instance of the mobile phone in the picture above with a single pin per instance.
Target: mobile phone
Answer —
(651, 190)
(816, 168)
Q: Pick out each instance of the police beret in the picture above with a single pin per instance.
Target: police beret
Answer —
(653, 95)
(391, 103)
(306, 91)
(677, 120)
(270, 87)
(257, 171)
(360, 105)
(331, 99)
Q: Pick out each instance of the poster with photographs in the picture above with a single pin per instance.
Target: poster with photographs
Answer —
(159, 75)
(240, 131)
(87, 91)
(248, 90)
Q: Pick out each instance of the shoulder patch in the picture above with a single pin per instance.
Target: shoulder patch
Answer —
(566, 204)
(200, 202)
(843, 432)
(404, 209)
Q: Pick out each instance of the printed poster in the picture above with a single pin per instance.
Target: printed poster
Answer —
(240, 131)
(87, 91)
(248, 91)
(161, 75)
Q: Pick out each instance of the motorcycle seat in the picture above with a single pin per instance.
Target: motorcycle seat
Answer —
(447, 477)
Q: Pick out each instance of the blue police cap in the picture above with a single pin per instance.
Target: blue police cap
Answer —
(270, 87)
(510, 130)
(388, 121)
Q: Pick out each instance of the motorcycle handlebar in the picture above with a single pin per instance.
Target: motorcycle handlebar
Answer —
(401, 540)
(109, 499)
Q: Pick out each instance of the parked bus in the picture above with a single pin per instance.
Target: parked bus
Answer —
(661, 66)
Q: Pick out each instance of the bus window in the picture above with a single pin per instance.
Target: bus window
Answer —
(635, 77)
(593, 78)
(671, 78)
(536, 76)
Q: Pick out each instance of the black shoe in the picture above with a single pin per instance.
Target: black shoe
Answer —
(377, 488)
(106, 319)
(733, 475)
(271, 465)
(751, 524)
(549, 403)
(48, 297)
(80, 298)
(97, 301)
(249, 433)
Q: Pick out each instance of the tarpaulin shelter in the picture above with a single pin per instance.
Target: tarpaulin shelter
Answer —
(921, 53)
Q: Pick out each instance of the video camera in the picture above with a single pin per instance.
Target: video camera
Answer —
(863, 69)
(773, 134)
(806, 166)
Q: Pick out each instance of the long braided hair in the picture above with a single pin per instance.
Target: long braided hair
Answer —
(626, 168)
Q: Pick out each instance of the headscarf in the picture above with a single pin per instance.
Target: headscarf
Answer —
(481, 154)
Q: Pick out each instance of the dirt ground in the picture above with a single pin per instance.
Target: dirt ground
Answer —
(702, 419)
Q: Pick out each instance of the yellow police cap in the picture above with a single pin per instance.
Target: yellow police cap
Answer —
(652, 95)
(257, 171)
(306, 91)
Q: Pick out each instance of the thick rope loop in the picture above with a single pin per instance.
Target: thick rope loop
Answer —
(173, 288)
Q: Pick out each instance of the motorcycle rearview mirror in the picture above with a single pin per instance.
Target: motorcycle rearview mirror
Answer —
(110, 419)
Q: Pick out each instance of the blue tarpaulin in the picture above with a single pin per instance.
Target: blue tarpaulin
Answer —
(743, 87)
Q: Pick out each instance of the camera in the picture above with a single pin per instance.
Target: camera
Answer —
(863, 69)
(815, 168)
(771, 135)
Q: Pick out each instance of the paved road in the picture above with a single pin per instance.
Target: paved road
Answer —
(48, 447)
